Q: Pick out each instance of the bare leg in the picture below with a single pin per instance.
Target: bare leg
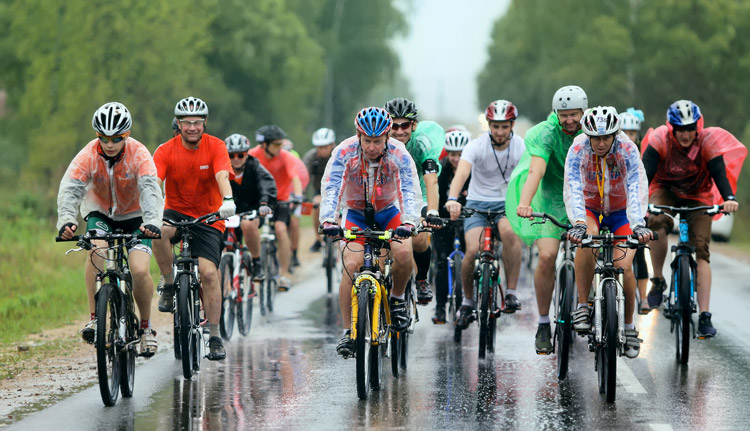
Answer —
(544, 277)
(511, 253)
(251, 233)
(704, 284)
(211, 291)
(659, 253)
(162, 249)
(143, 285)
(352, 260)
(284, 249)
(403, 262)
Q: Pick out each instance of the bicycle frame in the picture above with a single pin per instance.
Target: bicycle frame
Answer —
(602, 274)
(456, 250)
(370, 271)
(683, 248)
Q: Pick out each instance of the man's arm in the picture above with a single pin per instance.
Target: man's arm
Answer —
(431, 187)
(459, 178)
(537, 168)
(222, 179)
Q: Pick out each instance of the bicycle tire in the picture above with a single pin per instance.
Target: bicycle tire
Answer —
(611, 339)
(484, 312)
(411, 306)
(564, 326)
(244, 307)
(187, 333)
(458, 294)
(226, 278)
(128, 354)
(362, 343)
(330, 264)
(685, 316)
(375, 368)
(107, 355)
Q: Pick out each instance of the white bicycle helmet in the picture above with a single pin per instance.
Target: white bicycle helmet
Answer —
(629, 121)
(323, 137)
(456, 140)
(237, 143)
(570, 97)
(191, 106)
(600, 121)
(112, 119)
(501, 110)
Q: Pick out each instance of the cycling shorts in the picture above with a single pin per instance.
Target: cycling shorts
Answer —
(207, 241)
(389, 218)
(102, 224)
(282, 212)
(617, 222)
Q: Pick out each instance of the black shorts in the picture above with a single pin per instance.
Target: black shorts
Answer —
(207, 241)
(282, 212)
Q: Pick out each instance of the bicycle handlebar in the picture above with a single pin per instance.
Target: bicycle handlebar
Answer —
(208, 218)
(556, 222)
(88, 237)
(710, 209)
(486, 213)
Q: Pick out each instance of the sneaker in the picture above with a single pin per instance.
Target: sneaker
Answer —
(258, 274)
(543, 339)
(582, 320)
(511, 304)
(166, 300)
(465, 317)
(345, 347)
(399, 317)
(632, 343)
(643, 308)
(316, 247)
(424, 294)
(705, 328)
(216, 350)
(149, 345)
(656, 294)
(284, 284)
(88, 333)
(439, 318)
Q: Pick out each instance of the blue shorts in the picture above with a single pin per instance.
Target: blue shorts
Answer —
(617, 222)
(476, 220)
(389, 218)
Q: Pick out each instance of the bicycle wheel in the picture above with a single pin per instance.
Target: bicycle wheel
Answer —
(107, 349)
(176, 335)
(411, 307)
(362, 343)
(186, 314)
(128, 353)
(610, 339)
(330, 263)
(685, 314)
(196, 338)
(226, 274)
(484, 309)
(244, 307)
(564, 326)
(458, 294)
(375, 369)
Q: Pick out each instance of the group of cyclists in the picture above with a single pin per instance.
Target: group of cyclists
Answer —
(586, 166)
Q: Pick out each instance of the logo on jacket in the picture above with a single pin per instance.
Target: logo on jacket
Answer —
(203, 167)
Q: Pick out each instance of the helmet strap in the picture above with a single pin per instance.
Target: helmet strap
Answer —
(110, 160)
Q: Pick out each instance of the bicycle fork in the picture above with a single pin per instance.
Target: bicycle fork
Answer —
(376, 294)
(619, 307)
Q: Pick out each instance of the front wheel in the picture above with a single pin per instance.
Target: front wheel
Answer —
(362, 342)
(611, 339)
(330, 263)
(564, 326)
(226, 274)
(484, 311)
(186, 311)
(244, 307)
(128, 353)
(108, 313)
(685, 315)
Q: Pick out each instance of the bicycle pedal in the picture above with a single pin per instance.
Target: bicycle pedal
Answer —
(543, 353)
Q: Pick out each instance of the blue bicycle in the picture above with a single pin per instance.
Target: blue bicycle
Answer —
(455, 285)
(680, 304)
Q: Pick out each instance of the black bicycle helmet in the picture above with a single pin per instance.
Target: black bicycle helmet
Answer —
(402, 108)
(268, 133)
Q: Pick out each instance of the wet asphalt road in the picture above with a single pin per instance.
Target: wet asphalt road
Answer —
(286, 375)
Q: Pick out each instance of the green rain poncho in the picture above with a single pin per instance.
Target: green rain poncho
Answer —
(548, 141)
(426, 142)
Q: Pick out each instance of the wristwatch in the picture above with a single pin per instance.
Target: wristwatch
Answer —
(731, 198)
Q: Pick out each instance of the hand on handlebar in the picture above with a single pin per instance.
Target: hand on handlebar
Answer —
(454, 209)
(404, 231)
(730, 206)
(525, 211)
(331, 230)
(150, 230)
(433, 220)
(643, 233)
(66, 232)
(264, 210)
(577, 233)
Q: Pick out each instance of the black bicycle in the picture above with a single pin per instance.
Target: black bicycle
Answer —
(564, 298)
(187, 316)
(681, 304)
(117, 328)
(270, 262)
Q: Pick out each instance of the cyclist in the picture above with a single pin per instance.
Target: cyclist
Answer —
(113, 179)
(323, 140)
(280, 163)
(253, 188)
(195, 169)
(455, 142)
(605, 185)
(538, 182)
(489, 159)
(689, 165)
(630, 123)
(373, 180)
(424, 141)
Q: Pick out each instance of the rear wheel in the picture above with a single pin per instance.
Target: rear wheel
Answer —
(564, 326)
(226, 273)
(187, 318)
(610, 340)
(362, 342)
(245, 306)
(107, 350)
(685, 314)
(484, 309)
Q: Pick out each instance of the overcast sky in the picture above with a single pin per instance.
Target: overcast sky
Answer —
(444, 52)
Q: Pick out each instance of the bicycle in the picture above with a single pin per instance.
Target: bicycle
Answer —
(564, 298)
(117, 328)
(487, 285)
(681, 302)
(270, 262)
(235, 270)
(188, 333)
(371, 317)
(455, 284)
(608, 314)
(330, 258)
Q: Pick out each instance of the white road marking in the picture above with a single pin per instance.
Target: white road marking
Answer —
(661, 427)
(627, 378)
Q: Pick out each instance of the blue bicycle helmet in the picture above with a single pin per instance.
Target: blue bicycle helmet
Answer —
(373, 121)
(683, 113)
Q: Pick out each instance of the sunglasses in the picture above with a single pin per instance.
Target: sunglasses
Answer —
(688, 128)
(238, 155)
(401, 126)
(113, 139)
(188, 123)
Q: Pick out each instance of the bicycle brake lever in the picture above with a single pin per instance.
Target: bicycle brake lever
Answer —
(73, 250)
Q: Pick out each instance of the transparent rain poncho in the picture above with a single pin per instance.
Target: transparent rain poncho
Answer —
(684, 171)
(392, 181)
(606, 184)
(126, 190)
